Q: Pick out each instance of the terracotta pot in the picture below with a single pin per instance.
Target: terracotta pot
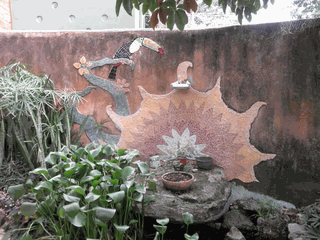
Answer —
(178, 186)
(205, 163)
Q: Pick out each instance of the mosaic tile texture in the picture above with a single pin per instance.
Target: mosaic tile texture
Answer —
(203, 118)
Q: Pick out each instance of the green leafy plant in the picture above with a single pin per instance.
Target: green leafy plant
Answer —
(162, 228)
(174, 12)
(268, 208)
(189, 219)
(86, 193)
(35, 117)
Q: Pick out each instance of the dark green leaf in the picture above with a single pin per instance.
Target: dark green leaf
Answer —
(94, 183)
(117, 196)
(79, 220)
(91, 197)
(257, 4)
(127, 172)
(44, 185)
(152, 185)
(72, 209)
(187, 218)
(145, 8)
(128, 6)
(28, 208)
(86, 179)
(208, 2)
(118, 5)
(140, 188)
(104, 214)
(70, 198)
(193, 237)
(40, 170)
(160, 229)
(95, 173)
(153, 6)
(122, 228)
(16, 191)
(77, 188)
(224, 6)
(171, 17)
(181, 19)
(143, 167)
(163, 221)
(247, 14)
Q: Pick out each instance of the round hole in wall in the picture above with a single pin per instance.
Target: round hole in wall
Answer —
(72, 18)
(39, 19)
(54, 5)
(104, 17)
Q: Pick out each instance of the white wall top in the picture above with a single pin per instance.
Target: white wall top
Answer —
(70, 15)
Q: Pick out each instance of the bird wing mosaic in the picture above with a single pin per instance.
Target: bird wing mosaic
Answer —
(113, 85)
(201, 120)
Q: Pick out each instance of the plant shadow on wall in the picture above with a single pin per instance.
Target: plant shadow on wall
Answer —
(35, 119)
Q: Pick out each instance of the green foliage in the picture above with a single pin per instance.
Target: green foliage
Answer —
(312, 221)
(173, 12)
(35, 118)
(268, 208)
(86, 193)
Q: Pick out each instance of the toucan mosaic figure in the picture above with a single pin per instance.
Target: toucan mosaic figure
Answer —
(131, 47)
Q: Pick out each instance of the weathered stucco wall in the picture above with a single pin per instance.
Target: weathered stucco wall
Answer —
(255, 63)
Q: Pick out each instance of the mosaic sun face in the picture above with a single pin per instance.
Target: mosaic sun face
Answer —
(194, 118)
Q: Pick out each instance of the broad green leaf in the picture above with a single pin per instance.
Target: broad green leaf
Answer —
(104, 214)
(94, 183)
(193, 237)
(152, 185)
(95, 173)
(99, 223)
(140, 188)
(40, 170)
(113, 165)
(72, 209)
(128, 6)
(118, 5)
(171, 17)
(29, 182)
(61, 212)
(79, 220)
(133, 221)
(257, 4)
(86, 179)
(28, 208)
(129, 183)
(160, 229)
(127, 172)
(122, 228)
(95, 152)
(87, 162)
(224, 6)
(145, 8)
(181, 19)
(117, 196)
(91, 197)
(163, 221)
(70, 198)
(121, 152)
(16, 191)
(77, 188)
(208, 2)
(138, 197)
(143, 167)
(149, 198)
(57, 155)
(114, 182)
(44, 185)
(132, 154)
(187, 218)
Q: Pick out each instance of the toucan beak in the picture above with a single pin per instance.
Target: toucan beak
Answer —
(152, 45)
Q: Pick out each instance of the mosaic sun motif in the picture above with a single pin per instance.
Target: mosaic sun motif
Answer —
(202, 119)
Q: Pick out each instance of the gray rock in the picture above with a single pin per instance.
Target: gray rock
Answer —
(208, 198)
(234, 234)
(237, 219)
(248, 204)
(296, 232)
(272, 227)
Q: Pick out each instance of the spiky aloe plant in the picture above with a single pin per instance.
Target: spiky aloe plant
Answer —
(36, 118)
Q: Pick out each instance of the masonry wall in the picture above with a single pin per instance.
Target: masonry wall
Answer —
(255, 63)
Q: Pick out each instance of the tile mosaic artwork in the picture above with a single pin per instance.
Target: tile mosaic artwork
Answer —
(200, 120)
(118, 88)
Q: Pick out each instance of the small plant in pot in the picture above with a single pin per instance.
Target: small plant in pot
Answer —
(177, 165)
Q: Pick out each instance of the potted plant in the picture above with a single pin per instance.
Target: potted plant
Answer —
(177, 181)
(178, 166)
